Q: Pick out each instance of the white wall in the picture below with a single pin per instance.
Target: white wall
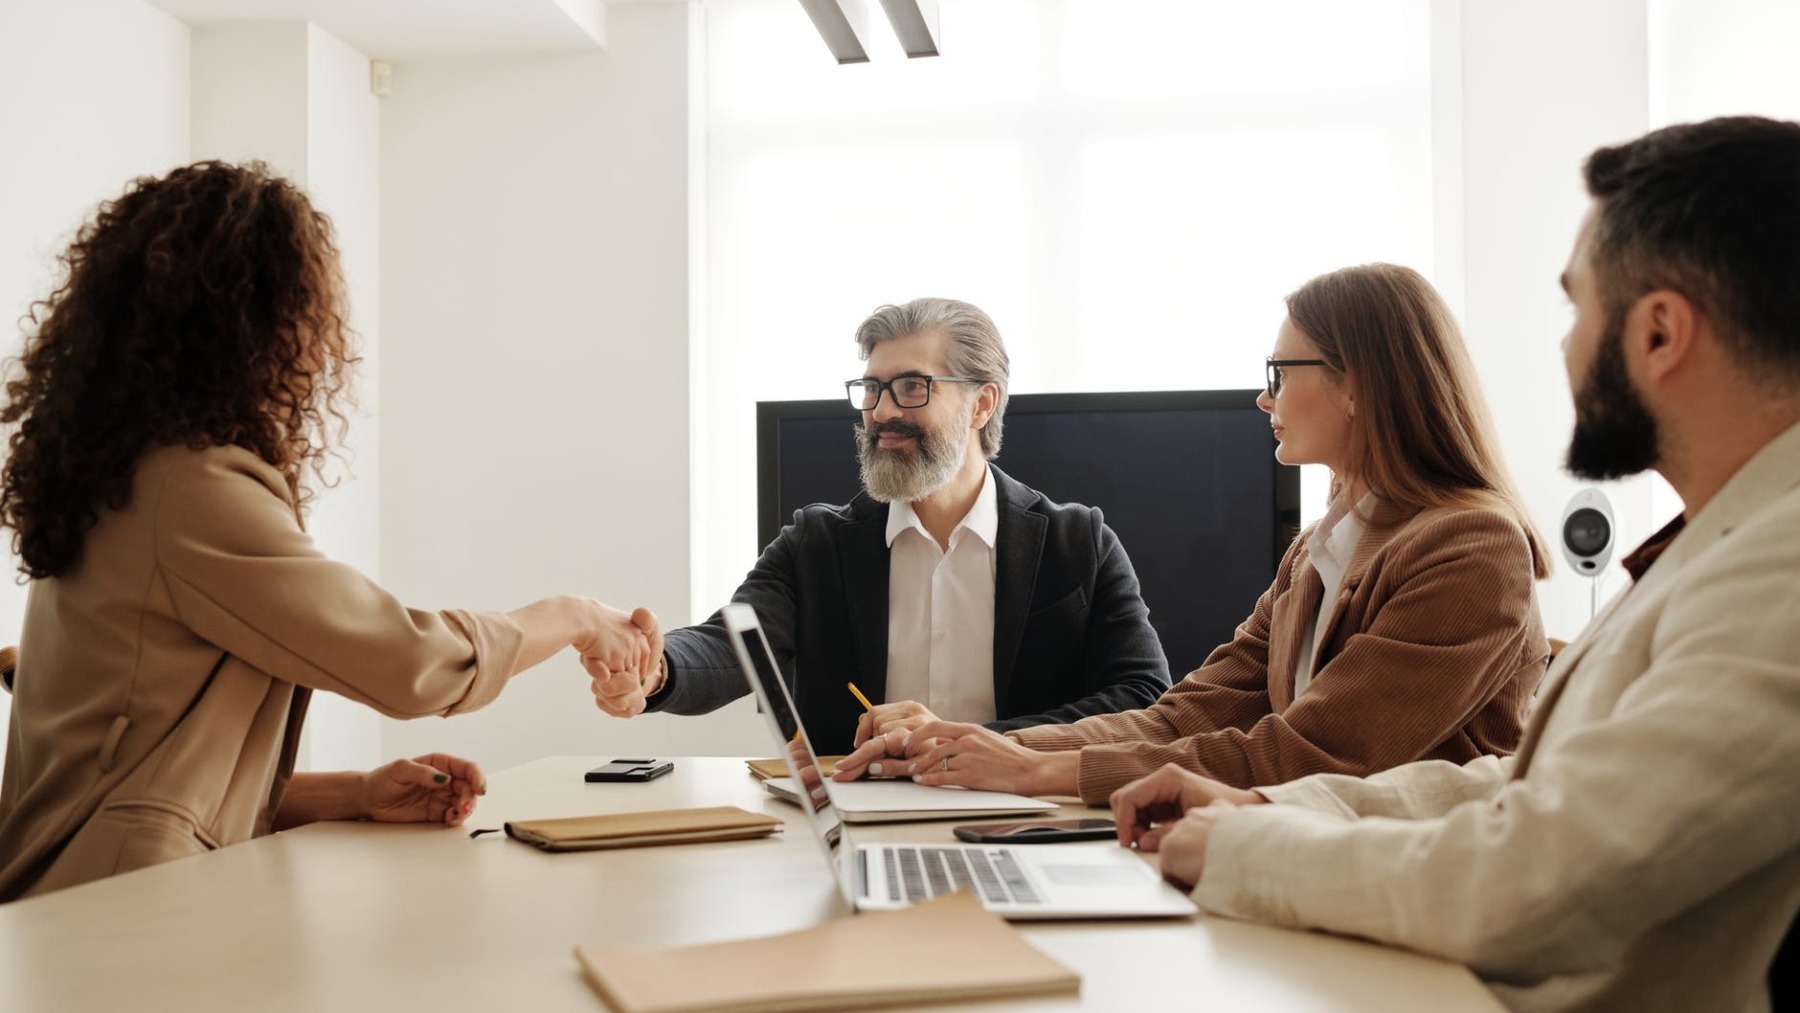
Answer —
(92, 94)
(535, 374)
(1722, 58)
(249, 94)
(1537, 85)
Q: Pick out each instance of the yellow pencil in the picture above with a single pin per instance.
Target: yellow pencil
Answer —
(859, 697)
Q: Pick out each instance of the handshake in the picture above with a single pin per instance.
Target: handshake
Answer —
(624, 657)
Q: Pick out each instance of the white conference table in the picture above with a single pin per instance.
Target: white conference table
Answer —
(362, 916)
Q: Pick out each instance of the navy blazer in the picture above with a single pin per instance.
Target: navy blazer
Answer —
(1072, 635)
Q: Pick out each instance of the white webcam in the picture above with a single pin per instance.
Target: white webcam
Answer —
(1587, 532)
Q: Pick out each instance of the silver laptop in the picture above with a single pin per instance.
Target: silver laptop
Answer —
(894, 801)
(1037, 881)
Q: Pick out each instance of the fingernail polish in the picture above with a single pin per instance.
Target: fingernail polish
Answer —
(912, 768)
(441, 778)
(874, 768)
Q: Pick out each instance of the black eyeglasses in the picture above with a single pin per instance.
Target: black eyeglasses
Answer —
(908, 391)
(1275, 366)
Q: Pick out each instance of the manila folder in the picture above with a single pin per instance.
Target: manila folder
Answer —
(947, 949)
(630, 830)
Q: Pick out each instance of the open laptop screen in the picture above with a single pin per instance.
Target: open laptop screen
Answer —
(764, 676)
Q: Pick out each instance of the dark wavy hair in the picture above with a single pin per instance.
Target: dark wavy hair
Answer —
(1710, 210)
(202, 308)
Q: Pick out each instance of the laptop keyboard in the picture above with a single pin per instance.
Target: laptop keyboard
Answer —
(921, 873)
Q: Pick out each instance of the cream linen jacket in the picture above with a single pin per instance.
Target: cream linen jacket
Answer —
(162, 682)
(1642, 849)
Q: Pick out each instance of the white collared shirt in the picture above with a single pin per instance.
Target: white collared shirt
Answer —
(941, 611)
(1328, 549)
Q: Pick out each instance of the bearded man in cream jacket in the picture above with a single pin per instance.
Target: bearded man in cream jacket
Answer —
(1641, 851)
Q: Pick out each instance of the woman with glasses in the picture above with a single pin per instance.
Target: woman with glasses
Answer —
(1402, 626)
(175, 394)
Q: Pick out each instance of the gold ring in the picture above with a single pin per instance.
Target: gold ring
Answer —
(944, 765)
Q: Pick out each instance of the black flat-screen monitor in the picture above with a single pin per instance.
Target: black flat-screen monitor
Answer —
(1187, 479)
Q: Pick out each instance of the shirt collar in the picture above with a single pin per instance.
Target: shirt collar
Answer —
(1340, 530)
(1644, 556)
(982, 520)
(1769, 473)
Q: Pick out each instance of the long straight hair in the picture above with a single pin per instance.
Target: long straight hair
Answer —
(1421, 435)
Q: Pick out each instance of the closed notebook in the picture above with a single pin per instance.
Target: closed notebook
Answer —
(762, 770)
(630, 830)
(945, 950)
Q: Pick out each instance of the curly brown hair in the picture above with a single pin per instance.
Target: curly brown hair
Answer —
(202, 308)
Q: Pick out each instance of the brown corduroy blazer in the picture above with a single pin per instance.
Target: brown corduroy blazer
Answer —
(162, 681)
(1431, 651)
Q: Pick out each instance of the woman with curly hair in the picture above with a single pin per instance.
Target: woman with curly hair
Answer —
(175, 394)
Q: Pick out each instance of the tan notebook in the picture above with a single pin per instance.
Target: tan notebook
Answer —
(948, 949)
(763, 770)
(630, 830)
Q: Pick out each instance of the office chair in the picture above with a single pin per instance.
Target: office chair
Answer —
(1785, 969)
(9, 660)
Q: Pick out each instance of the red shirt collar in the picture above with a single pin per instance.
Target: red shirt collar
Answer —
(1644, 556)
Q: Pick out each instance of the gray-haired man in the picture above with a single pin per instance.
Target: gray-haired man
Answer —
(946, 589)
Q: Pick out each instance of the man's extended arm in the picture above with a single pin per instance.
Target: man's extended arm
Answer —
(703, 672)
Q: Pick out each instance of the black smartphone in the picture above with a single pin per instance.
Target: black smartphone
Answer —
(630, 770)
(1040, 832)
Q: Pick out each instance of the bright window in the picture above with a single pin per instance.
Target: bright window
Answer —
(1129, 187)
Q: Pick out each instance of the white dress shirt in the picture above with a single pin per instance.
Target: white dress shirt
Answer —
(941, 611)
(1329, 549)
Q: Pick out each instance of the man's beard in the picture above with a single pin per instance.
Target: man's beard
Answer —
(1615, 435)
(907, 475)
